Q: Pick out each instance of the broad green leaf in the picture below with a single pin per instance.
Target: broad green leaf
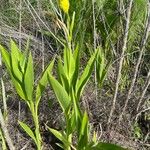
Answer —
(76, 57)
(71, 122)
(57, 134)
(60, 93)
(101, 67)
(23, 57)
(84, 134)
(43, 81)
(62, 76)
(16, 82)
(16, 52)
(77, 112)
(15, 58)
(29, 78)
(18, 88)
(69, 63)
(60, 70)
(85, 75)
(84, 125)
(27, 129)
(5, 57)
(22, 63)
(61, 137)
(107, 146)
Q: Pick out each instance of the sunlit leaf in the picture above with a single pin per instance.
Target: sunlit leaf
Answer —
(27, 129)
(5, 57)
(29, 78)
(107, 146)
(84, 133)
(85, 75)
(62, 76)
(60, 93)
(69, 63)
(18, 88)
(15, 58)
(43, 81)
(60, 136)
(76, 57)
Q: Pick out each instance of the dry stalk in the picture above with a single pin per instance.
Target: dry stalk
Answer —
(30, 7)
(7, 32)
(5, 132)
(142, 48)
(147, 109)
(20, 46)
(121, 59)
(94, 37)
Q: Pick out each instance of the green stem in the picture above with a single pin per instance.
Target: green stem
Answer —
(34, 111)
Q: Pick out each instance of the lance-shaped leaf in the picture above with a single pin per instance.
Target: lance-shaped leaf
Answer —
(60, 93)
(58, 134)
(61, 137)
(76, 57)
(43, 81)
(69, 63)
(15, 58)
(27, 129)
(101, 67)
(29, 78)
(5, 57)
(22, 63)
(18, 86)
(85, 75)
(7, 60)
(62, 76)
(107, 146)
(77, 111)
(84, 133)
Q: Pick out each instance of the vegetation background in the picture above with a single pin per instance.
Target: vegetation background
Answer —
(117, 96)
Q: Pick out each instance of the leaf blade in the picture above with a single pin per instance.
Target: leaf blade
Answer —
(29, 78)
(43, 81)
(27, 129)
(60, 93)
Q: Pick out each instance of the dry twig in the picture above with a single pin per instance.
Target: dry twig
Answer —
(5, 131)
(142, 48)
(121, 59)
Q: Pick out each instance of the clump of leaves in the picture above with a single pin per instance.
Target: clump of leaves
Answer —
(20, 67)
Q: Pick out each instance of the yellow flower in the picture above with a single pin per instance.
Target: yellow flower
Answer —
(64, 5)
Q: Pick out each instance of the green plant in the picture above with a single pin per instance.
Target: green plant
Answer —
(101, 67)
(68, 89)
(20, 67)
(137, 131)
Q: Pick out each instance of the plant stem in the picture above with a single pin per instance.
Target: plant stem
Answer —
(34, 111)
